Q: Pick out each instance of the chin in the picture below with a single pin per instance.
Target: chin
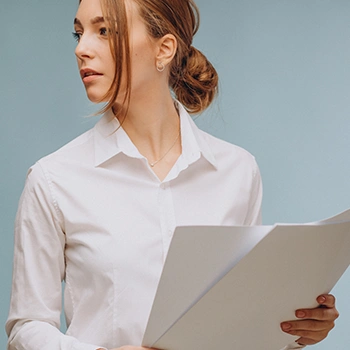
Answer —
(95, 97)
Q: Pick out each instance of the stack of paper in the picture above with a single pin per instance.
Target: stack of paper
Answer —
(230, 287)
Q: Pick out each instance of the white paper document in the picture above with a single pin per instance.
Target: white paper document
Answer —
(230, 287)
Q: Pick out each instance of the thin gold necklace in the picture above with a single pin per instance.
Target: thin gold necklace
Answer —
(163, 156)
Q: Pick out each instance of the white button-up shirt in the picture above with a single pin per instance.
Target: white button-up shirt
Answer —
(95, 215)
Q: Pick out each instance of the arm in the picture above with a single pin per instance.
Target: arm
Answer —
(254, 211)
(38, 270)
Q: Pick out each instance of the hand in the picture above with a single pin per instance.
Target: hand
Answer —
(314, 324)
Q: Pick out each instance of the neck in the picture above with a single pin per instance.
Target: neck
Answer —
(152, 123)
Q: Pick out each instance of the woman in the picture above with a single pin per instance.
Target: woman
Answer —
(99, 213)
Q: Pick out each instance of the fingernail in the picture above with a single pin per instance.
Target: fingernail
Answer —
(286, 326)
(300, 314)
(321, 300)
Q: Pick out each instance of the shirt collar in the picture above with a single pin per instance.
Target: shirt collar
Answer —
(110, 139)
(193, 141)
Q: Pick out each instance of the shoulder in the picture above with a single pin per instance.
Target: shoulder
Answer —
(60, 162)
(78, 147)
(79, 150)
(228, 155)
(223, 155)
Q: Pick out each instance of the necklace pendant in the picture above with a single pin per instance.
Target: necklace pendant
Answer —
(163, 156)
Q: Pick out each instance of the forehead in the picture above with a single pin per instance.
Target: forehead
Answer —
(94, 8)
(89, 8)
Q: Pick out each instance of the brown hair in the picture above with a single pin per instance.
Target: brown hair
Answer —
(192, 78)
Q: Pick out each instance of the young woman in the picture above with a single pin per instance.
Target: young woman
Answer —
(99, 213)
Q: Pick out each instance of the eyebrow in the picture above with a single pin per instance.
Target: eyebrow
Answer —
(93, 21)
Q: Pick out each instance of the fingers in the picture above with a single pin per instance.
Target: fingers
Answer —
(320, 314)
(306, 325)
(313, 324)
(325, 312)
(309, 331)
(326, 300)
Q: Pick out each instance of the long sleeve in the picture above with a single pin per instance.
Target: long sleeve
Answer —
(38, 270)
(254, 216)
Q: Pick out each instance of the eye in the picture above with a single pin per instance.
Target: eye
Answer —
(104, 31)
(76, 36)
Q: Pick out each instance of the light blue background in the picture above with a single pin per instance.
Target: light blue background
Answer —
(284, 96)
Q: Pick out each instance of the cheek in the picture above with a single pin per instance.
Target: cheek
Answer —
(109, 63)
(143, 66)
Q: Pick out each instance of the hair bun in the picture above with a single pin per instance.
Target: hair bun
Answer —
(195, 83)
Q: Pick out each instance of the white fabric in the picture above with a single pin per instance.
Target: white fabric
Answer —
(94, 214)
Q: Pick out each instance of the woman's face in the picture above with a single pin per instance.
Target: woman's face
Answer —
(94, 57)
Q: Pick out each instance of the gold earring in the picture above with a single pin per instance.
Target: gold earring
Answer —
(160, 67)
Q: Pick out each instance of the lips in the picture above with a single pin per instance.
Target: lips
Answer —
(88, 75)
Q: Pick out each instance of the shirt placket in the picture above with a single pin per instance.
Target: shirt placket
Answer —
(167, 215)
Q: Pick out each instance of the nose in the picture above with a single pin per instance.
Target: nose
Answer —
(84, 48)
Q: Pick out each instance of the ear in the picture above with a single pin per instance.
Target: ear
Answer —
(167, 47)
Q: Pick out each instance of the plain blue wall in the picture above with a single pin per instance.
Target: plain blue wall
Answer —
(285, 96)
